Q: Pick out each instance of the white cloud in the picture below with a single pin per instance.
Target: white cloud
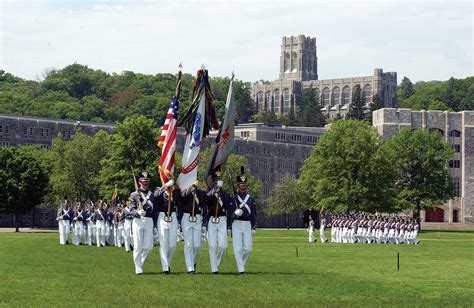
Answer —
(422, 40)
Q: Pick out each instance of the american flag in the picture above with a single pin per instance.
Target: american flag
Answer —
(167, 141)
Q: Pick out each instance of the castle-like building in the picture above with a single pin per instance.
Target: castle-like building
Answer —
(299, 70)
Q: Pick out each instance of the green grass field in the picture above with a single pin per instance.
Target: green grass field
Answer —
(36, 270)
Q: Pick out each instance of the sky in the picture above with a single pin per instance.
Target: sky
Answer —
(423, 40)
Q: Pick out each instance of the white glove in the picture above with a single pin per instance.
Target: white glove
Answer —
(238, 212)
(203, 230)
(169, 183)
(253, 232)
(142, 213)
(220, 183)
(229, 232)
(155, 231)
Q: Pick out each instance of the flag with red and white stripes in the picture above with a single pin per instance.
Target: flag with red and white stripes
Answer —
(167, 141)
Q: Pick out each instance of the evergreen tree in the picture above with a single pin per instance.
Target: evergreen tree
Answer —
(358, 109)
(310, 114)
(406, 87)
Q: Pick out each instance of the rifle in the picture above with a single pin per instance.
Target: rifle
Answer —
(137, 198)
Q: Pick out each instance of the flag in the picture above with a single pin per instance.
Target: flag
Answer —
(115, 196)
(225, 141)
(198, 121)
(167, 141)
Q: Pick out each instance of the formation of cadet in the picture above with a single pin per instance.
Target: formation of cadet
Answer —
(148, 217)
(367, 229)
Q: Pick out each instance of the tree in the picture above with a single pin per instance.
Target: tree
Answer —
(310, 114)
(467, 102)
(133, 145)
(24, 182)
(346, 172)
(357, 110)
(420, 159)
(406, 87)
(76, 165)
(265, 116)
(232, 170)
(284, 198)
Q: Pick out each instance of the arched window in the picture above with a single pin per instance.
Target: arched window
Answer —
(437, 130)
(454, 133)
(325, 97)
(346, 95)
(260, 100)
(286, 100)
(336, 96)
(294, 62)
(287, 62)
(367, 93)
(276, 99)
(268, 100)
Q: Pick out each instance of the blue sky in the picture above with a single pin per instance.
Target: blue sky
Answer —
(424, 40)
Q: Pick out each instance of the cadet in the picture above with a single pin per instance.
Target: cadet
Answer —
(217, 203)
(100, 223)
(167, 223)
(192, 212)
(143, 209)
(64, 218)
(127, 219)
(322, 229)
(79, 221)
(91, 225)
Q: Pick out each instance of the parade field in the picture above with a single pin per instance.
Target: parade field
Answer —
(283, 270)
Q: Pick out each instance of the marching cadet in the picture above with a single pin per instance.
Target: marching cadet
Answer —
(118, 226)
(192, 212)
(143, 209)
(310, 230)
(218, 202)
(100, 223)
(109, 227)
(91, 232)
(322, 229)
(127, 219)
(64, 218)
(167, 223)
(243, 212)
(78, 231)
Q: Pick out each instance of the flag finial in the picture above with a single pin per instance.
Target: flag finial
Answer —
(180, 66)
(203, 67)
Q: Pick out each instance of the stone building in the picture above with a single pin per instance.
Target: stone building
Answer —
(299, 70)
(456, 129)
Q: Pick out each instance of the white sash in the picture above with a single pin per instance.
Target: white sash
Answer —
(146, 199)
(243, 203)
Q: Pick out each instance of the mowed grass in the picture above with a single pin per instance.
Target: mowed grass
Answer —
(36, 270)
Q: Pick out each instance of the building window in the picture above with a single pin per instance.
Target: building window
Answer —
(311, 139)
(245, 134)
(280, 136)
(457, 187)
(266, 191)
(296, 138)
(47, 132)
(4, 144)
(454, 133)
(346, 95)
(1, 128)
(457, 148)
(368, 94)
(437, 130)
(454, 163)
(336, 96)
(7, 129)
(276, 99)
(291, 152)
(25, 130)
(31, 131)
(325, 97)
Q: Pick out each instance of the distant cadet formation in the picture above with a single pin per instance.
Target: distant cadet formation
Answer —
(150, 217)
(368, 229)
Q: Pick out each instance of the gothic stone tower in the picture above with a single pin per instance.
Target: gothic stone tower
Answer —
(298, 60)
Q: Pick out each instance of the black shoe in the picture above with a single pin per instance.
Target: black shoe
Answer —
(166, 272)
(191, 272)
(326, 241)
(241, 273)
(194, 266)
(215, 273)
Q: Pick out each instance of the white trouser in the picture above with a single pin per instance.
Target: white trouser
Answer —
(127, 233)
(333, 234)
(78, 233)
(242, 242)
(90, 233)
(192, 240)
(167, 233)
(142, 241)
(100, 232)
(322, 235)
(310, 233)
(64, 227)
(118, 235)
(109, 234)
(217, 239)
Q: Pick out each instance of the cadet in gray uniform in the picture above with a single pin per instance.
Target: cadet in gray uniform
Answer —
(64, 218)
